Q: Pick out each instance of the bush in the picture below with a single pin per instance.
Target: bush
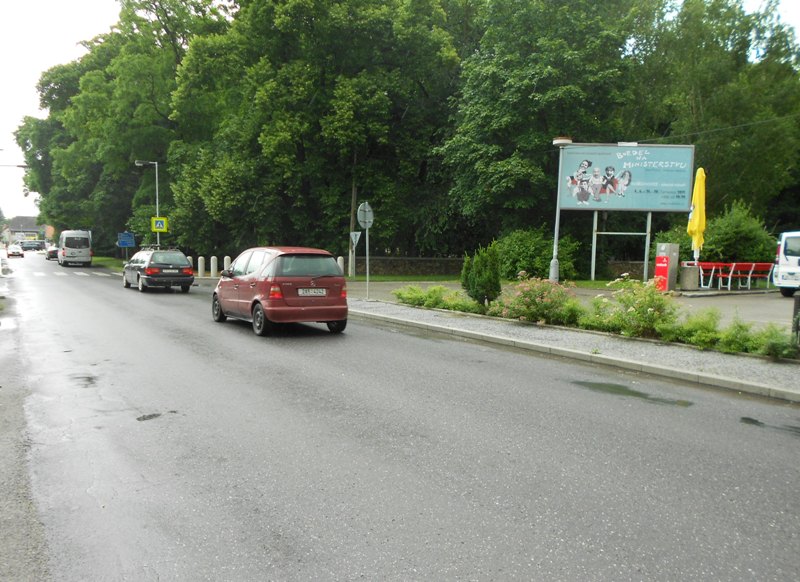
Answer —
(531, 251)
(736, 235)
(775, 343)
(699, 329)
(737, 338)
(635, 309)
(538, 300)
(437, 297)
(480, 276)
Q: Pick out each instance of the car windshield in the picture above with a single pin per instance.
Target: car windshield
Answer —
(307, 266)
(170, 258)
(792, 246)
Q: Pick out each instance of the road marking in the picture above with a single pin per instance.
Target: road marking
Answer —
(60, 274)
(81, 274)
(39, 274)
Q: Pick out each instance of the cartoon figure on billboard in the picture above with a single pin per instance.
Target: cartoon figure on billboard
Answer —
(609, 182)
(623, 182)
(582, 191)
(574, 181)
(595, 184)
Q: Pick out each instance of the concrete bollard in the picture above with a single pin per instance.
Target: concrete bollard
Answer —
(340, 262)
(227, 262)
(191, 262)
(213, 272)
(201, 266)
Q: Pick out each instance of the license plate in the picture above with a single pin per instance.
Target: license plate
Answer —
(317, 292)
(170, 271)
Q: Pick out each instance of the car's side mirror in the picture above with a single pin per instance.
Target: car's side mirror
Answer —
(226, 273)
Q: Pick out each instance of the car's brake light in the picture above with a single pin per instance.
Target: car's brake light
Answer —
(344, 291)
(275, 292)
(187, 271)
(151, 270)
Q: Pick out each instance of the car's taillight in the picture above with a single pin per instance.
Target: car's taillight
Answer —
(344, 291)
(275, 292)
(91, 252)
(187, 271)
(151, 270)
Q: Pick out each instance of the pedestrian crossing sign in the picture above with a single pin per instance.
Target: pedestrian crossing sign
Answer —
(159, 224)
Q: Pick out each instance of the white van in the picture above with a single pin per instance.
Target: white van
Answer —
(75, 247)
(786, 274)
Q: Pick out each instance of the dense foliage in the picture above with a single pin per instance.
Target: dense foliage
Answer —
(735, 235)
(272, 120)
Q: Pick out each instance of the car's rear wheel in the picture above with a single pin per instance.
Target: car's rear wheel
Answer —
(216, 310)
(337, 326)
(261, 325)
(787, 291)
(142, 286)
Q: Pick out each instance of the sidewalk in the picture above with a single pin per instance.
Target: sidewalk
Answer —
(740, 373)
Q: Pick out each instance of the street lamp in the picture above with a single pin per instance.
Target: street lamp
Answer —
(559, 142)
(148, 163)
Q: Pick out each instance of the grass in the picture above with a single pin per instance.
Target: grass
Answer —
(108, 262)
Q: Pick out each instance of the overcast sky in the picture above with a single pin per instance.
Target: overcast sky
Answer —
(38, 34)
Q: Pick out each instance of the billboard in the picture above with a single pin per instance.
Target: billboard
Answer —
(654, 178)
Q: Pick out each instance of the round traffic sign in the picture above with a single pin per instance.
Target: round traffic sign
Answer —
(365, 216)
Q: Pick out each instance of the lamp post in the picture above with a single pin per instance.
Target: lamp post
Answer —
(148, 163)
(560, 142)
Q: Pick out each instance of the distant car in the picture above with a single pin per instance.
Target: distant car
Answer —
(51, 252)
(32, 245)
(275, 285)
(15, 250)
(158, 268)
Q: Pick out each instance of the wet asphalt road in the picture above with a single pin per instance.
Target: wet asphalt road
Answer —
(161, 445)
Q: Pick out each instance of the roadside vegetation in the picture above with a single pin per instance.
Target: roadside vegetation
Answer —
(633, 309)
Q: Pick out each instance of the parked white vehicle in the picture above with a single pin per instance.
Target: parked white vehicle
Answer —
(75, 247)
(786, 274)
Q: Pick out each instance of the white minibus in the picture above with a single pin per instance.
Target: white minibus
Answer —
(786, 273)
(75, 247)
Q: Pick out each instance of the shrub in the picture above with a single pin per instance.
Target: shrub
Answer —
(635, 309)
(735, 235)
(737, 338)
(775, 343)
(480, 276)
(538, 300)
(437, 297)
(531, 251)
(699, 329)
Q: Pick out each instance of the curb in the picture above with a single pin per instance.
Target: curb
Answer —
(711, 380)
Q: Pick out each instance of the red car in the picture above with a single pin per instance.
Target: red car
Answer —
(275, 285)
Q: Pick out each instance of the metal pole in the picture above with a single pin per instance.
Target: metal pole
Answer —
(647, 246)
(554, 263)
(158, 234)
(594, 243)
(367, 264)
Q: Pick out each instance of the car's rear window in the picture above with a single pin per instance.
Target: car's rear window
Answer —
(76, 242)
(306, 266)
(792, 246)
(170, 258)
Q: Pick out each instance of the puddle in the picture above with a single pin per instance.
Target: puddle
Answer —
(793, 430)
(148, 416)
(84, 380)
(620, 390)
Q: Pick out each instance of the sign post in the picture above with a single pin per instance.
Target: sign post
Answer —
(365, 219)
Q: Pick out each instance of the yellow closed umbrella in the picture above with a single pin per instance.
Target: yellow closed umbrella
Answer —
(697, 216)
